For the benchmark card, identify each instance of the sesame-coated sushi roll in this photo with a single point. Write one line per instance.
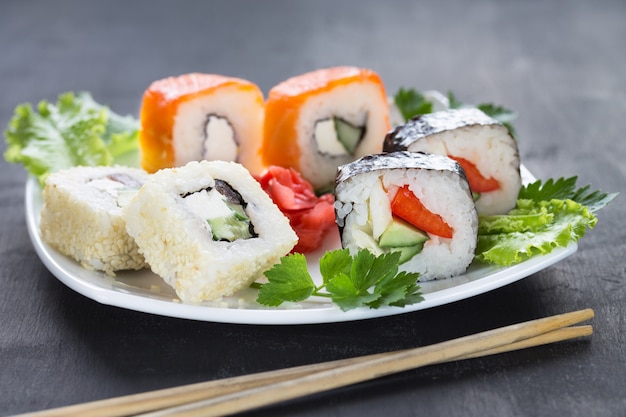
(208, 228)
(417, 204)
(481, 145)
(82, 218)
(322, 119)
(196, 117)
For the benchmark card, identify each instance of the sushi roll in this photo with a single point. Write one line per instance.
(414, 203)
(196, 117)
(208, 229)
(481, 145)
(81, 216)
(322, 119)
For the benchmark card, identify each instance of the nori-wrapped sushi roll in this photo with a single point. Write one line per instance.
(414, 203)
(481, 145)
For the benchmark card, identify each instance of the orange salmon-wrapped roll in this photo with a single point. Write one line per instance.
(196, 117)
(322, 119)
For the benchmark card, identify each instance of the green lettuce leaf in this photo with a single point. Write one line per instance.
(510, 223)
(122, 132)
(547, 215)
(75, 131)
(532, 228)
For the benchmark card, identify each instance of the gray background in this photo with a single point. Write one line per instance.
(560, 64)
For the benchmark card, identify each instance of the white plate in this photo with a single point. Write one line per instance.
(147, 292)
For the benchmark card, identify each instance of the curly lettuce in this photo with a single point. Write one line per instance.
(532, 228)
(74, 131)
(547, 216)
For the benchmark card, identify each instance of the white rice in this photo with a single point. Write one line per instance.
(242, 108)
(358, 103)
(81, 217)
(470, 134)
(177, 245)
(492, 150)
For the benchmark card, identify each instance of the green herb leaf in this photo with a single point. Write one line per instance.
(501, 114)
(565, 188)
(412, 103)
(398, 289)
(368, 269)
(350, 282)
(334, 263)
(454, 103)
(288, 281)
(74, 131)
(347, 293)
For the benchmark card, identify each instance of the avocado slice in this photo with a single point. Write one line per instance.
(228, 220)
(348, 135)
(407, 252)
(224, 211)
(230, 227)
(400, 234)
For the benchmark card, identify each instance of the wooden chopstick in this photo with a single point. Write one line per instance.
(236, 394)
(170, 397)
(369, 369)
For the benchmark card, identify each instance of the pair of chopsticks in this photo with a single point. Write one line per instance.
(232, 395)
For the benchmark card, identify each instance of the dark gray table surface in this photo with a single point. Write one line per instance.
(560, 64)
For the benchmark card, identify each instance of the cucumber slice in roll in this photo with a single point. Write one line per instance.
(348, 135)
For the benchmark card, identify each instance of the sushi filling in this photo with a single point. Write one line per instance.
(477, 181)
(122, 187)
(126, 180)
(335, 136)
(223, 211)
(220, 142)
(398, 236)
(386, 230)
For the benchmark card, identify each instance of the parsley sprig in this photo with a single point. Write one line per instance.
(566, 188)
(363, 280)
(412, 103)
